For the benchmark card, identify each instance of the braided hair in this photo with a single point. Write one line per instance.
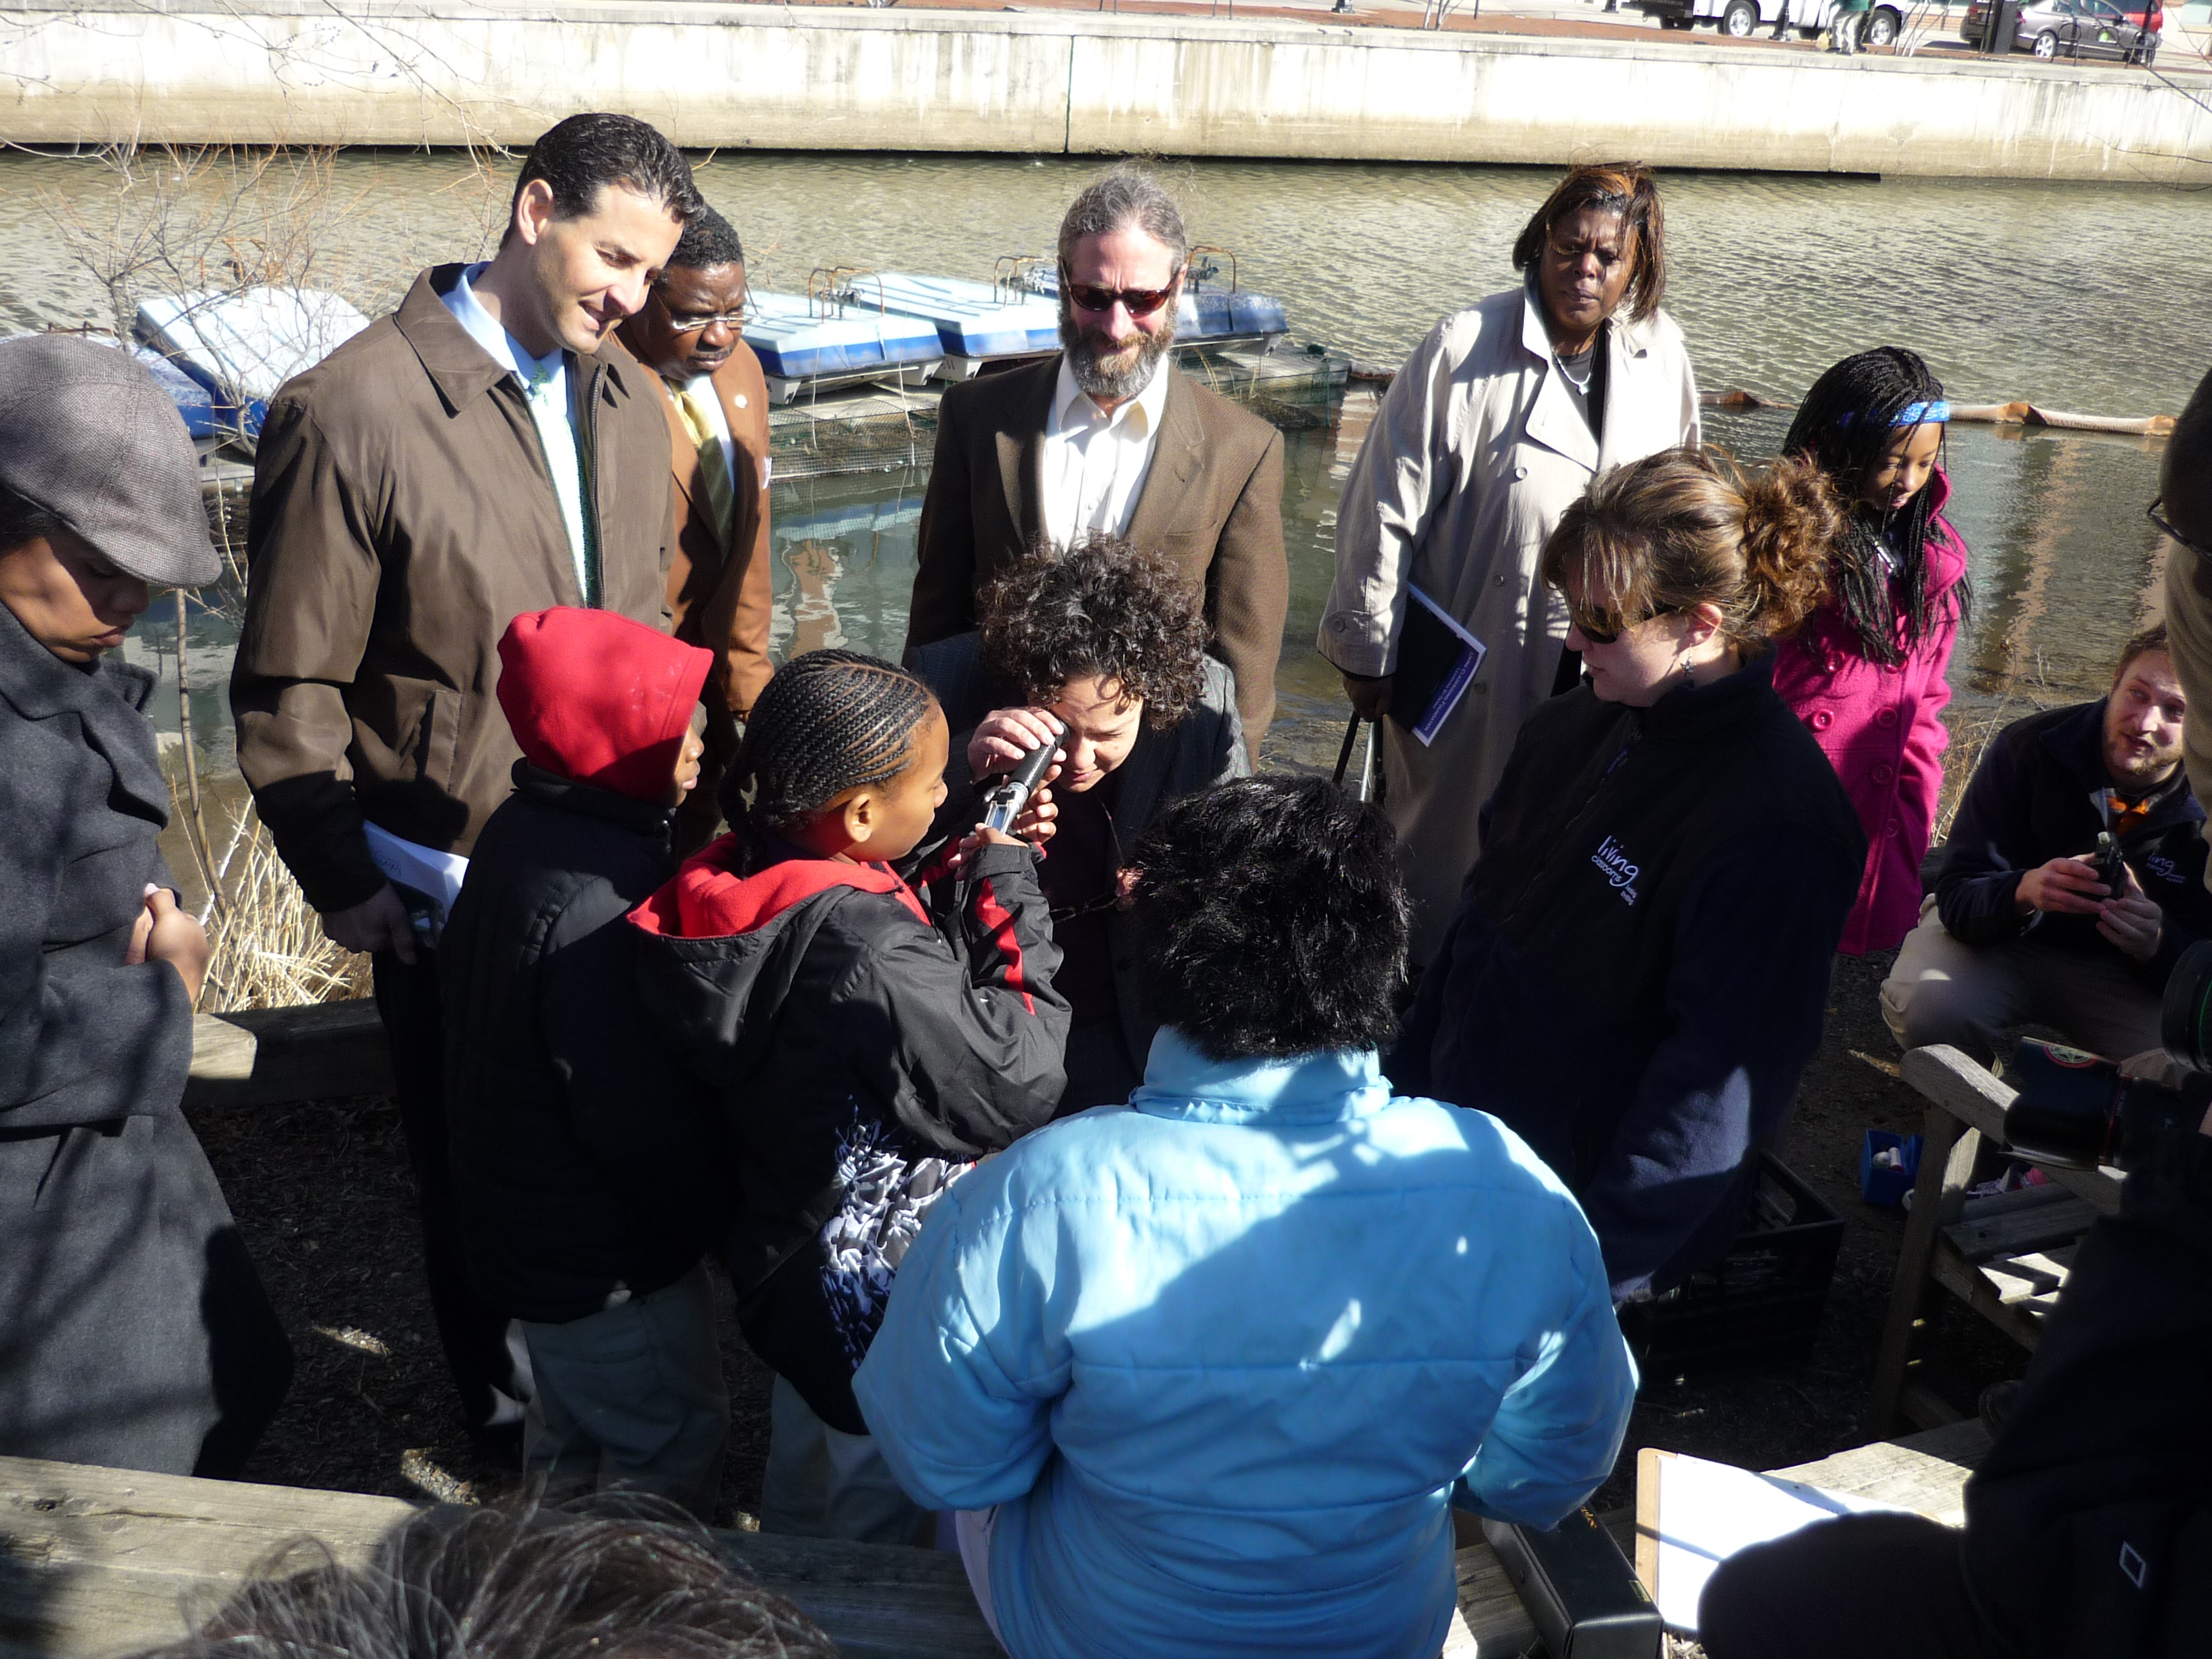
(830, 721)
(1842, 426)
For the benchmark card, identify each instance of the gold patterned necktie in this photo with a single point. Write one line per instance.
(714, 464)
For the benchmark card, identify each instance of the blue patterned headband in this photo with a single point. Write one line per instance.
(1936, 409)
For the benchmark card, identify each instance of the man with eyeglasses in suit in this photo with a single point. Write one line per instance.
(1108, 438)
(716, 401)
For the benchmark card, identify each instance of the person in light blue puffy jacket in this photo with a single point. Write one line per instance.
(1206, 1374)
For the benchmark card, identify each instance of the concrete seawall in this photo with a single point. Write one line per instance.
(410, 72)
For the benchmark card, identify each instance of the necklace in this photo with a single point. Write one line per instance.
(1580, 382)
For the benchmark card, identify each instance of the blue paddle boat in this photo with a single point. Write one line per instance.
(826, 338)
(977, 322)
(237, 349)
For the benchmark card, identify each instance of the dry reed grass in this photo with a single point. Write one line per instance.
(267, 946)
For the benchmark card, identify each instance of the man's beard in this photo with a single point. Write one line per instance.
(1088, 349)
(2133, 772)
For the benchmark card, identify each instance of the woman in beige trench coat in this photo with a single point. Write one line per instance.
(1503, 416)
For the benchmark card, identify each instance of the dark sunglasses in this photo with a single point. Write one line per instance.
(1139, 302)
(1597, 635)
(2167, 528)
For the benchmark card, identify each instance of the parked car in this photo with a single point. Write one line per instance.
(1742, 18)
(2068, 28)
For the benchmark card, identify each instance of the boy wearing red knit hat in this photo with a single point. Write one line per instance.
(585, 1176)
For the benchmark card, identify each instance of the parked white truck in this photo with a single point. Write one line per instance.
(1741, 18)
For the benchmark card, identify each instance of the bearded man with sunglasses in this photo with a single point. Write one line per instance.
(1109, 438)
(720, 585)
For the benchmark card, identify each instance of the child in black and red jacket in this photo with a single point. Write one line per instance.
(863, 1052)
(582, 1167)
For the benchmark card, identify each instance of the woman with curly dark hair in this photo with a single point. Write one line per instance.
(1639, 967)
(1100, 649)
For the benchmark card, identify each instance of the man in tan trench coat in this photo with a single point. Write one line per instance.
(1503, 416)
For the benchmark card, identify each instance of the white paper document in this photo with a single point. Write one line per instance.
(436, 876)
(1702, 1513)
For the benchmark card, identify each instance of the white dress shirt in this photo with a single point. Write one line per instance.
(1095, 463)
(545, 389)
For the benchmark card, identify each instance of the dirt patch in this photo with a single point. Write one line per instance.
(322, 1194)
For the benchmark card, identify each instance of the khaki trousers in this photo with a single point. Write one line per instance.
(821, 1482)
(1968, 995)
(632, 1397)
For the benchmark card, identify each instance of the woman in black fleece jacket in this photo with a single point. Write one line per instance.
(862, 1052)
(1639, 967)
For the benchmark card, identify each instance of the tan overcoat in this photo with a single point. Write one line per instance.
(720, 594)
(1476, 450)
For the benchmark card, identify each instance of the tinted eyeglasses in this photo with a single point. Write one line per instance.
(1606, 632)
(2167, 528)
(1139, 302)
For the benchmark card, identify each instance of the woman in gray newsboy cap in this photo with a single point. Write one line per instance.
(134, 1329)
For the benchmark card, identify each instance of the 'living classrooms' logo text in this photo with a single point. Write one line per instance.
(1618, 870)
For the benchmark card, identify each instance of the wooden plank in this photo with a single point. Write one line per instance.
(2023, 1231)
(98, 1562)
(2034, 1278)
(1964, 1442)
(1923, 1405)
(1489, 1619)
(1926, 1473)
(1946, 1077)
(1989, 1206)
(1947, 1161)
(265, 1056)
(1964, 1279)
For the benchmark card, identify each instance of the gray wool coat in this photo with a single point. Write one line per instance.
(1205, 746)
(134, 1331)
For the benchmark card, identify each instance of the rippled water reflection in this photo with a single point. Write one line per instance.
(2074, 297)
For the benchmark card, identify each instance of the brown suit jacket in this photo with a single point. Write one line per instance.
(722, 595)
(403, 517)
(1212, 498)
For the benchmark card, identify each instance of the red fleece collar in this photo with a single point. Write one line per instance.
(707, 899)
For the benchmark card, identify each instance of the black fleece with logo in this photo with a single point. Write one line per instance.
(1639, 971)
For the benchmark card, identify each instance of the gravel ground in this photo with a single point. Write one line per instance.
(322, 1194)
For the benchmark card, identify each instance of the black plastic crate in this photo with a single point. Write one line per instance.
(1756, 1310)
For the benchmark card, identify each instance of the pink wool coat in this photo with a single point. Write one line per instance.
(1882, 730)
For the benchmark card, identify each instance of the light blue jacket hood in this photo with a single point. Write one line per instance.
(1226, 1356)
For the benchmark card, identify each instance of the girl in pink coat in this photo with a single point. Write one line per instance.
(1865, 673)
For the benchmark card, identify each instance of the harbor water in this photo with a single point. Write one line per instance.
(2075, 297)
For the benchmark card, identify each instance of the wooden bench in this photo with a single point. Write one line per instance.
(2005, 1256)
(266, 1056)
(96, 1562)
